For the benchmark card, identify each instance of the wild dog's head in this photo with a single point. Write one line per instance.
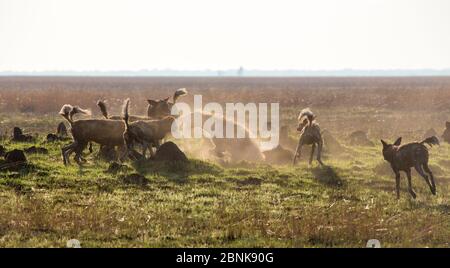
(302, 124)
(446, 134)
(390, 149)
(159, 108)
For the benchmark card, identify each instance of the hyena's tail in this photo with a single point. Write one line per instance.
(433, 140)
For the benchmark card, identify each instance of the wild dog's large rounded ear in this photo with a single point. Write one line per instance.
(398, 141)
(384, 143)
(166, 99)
(152, 102)
(447, 124)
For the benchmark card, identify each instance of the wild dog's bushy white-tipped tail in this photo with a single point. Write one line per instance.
(65, 109)
(78, 110)
(102, 105)
(125, 115)
(433, 140)
(306, 113)
(68, 111)
(180, 92)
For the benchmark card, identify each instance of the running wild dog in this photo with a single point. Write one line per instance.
(309, 135)
(102, 131)
(414, 154)
(149, 133)
(162, 108)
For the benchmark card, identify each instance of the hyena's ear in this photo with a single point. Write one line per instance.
(152, 102)
(398, 141)
(447, 124)
(384, 143)
(166, 99)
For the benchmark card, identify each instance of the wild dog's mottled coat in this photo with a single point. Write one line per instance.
(162, 108)
(148, 132)
(309, 135)
(101, 131)
(403, 158)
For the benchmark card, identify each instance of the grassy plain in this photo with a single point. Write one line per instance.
(203, 204)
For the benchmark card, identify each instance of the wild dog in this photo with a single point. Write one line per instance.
(414, 154)
(101, 131)
(236, 149)
(309, 135)
(102, 105)
(149, 133)
(162, 108)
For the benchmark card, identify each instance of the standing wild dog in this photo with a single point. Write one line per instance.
(158, 109)
(105, 132)
(149, 133)
(403, 158)
(309, 135)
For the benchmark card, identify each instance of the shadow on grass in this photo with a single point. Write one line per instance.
(328, 176)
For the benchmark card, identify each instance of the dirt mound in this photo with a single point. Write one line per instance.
(2, 151)
(36, 150)
(52, 137)
(446, 135)
(134, 178)
(115, 168)
(331, 145)
(20, 137)
(15, 160)
(15, 156)
(169, 151)
(278, 156)
(61, 130)
(359, 138)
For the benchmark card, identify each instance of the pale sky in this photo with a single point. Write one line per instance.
(39, 35)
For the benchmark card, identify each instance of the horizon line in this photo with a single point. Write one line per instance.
(239, 72)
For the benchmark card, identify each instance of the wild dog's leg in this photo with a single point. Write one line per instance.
(150, 148)
(428, 170)
(298, 152)
(63, 151)
(419, 170)
(144, 150)
(313, 148)
(397, 183)
(319, 152)
(67, 150)
(78, 150)
(122, 152)
(410, 189)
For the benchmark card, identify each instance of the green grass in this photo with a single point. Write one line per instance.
(201, 204)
